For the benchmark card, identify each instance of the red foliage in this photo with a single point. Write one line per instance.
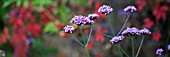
(97, 6)
(44, 17)
(44, 14)
(160, 11)
(4, 36)
(148, 23)
(59, 25)
(90, 1)
(140, 4)
(34, 29)
(100, 37)
(20, 18)
(91, 44)
(156, 36)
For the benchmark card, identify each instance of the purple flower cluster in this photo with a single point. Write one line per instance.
(131, 31)
(159, 51)
(81, 20)
(144, 31)
(68, 29)
(135, 31)
(169, 47)
(130, 9)
(116, 39)
(105, 9)
(92, 16)
(2, 53)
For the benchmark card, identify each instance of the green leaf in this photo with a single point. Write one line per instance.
(37, 42)
(18, 2)
(50, 28)
(7, 3)
(25, 4)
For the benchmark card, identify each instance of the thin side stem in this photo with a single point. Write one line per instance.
(89, 36)
(133, 52)
(81, 31)
(87, 52)
(78, 41)
(111, 28)
(121, 55)
(124, 24)
(123, 51)
(140, 46)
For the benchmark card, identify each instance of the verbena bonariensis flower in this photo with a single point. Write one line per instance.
(159, 51)
(116, 39)
(93, 16)
(130, 9)
(169, 47)
(68, 29)
(81, 20)
(144, 31)
(131, 31)
(2, 53)
(105, 9)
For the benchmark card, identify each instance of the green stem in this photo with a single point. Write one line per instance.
(124, 24)
(81, 31)
(87, 52)
(133, 52)
(77, 41)
(119, 50)
(123, 51)
(111, 28)
(140, 46)
(89, 35)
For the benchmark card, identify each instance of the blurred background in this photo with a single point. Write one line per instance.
(33, 28)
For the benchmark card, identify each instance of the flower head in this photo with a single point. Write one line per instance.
(68, 29)
(159, 51)
(131, 31)
(116, 39)
(2, 53)
(169, 47)
(105, 9)
(81, 20)
(130, 9)
(93, 16)
(144, 31)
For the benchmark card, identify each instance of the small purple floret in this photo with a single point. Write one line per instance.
(105, 9)
(131, 31)
(159, 51)
(92, 16)
(116, 39)
(130, 9)
(68, 29)
(81, 20)
(2, 53)
(144, 31)
(169, 47)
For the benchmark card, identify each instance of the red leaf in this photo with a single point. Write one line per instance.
(160, 11)
(100, 37)
(140, 4)
(90, 1)
(59, 25)
(156, 36)
(148, 23)
(34, 29)
(90, 45)
(97, 5)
